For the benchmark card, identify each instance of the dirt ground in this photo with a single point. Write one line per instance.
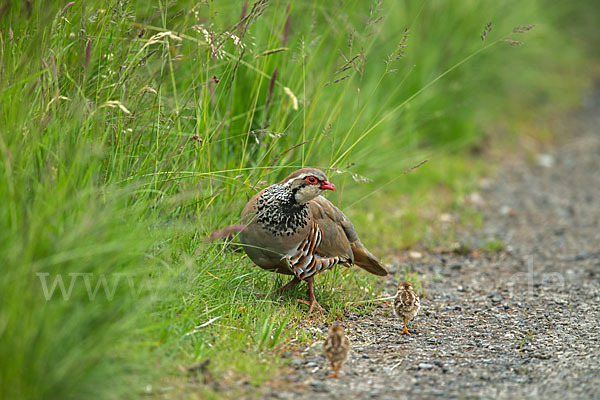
(521, 322)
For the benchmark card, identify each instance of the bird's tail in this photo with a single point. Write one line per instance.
(228, 232)
(367, 261)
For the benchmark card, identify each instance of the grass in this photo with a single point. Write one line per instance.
(493, 246)
(131, 130)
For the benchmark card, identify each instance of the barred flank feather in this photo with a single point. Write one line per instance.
(305, 263)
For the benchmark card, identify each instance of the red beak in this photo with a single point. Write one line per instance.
(326, 185)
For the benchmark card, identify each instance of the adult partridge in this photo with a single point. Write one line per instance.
(291, 229)
(406, 304)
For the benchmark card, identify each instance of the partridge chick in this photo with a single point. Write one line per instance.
(336, 348)
(291, 229)
(406, 304)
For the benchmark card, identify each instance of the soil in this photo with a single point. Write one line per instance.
(517, 322)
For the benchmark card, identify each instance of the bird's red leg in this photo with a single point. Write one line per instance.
(288, 285)
(405, 331)
(311, 297)
(335, 370)
(312, 301)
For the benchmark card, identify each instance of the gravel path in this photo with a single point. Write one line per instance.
(518, 323)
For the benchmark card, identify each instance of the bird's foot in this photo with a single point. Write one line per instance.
(405, 331)
(311, 305)
(312, 301)
(334, 374)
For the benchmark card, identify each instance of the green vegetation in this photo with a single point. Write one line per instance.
(493, 246)
(130, 130)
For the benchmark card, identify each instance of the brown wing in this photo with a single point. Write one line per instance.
(340, 238)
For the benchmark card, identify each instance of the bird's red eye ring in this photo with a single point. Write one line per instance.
(311, 179)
